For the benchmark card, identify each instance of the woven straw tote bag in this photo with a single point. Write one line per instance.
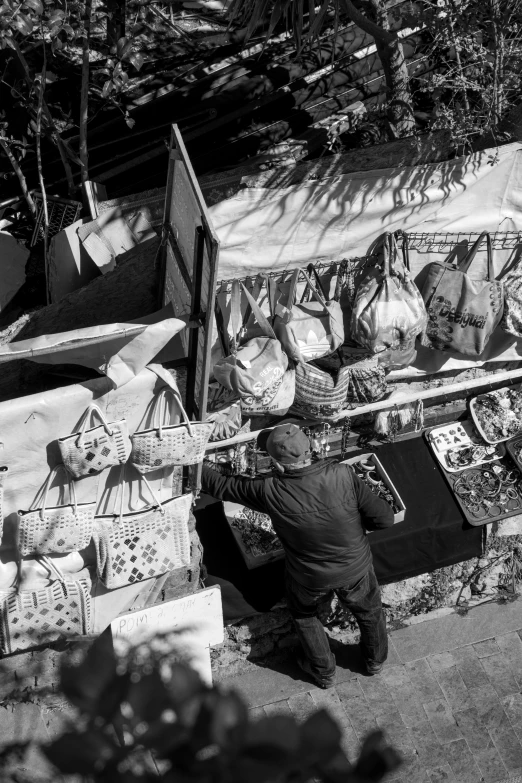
(92, 450)
(3, 471)
(139, 545)
(172, 444)
(319, 394)
(56, 529)
(29, 618)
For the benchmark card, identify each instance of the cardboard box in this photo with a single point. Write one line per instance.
(251, 561)
(371, 457)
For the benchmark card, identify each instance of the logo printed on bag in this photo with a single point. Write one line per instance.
(462, 317)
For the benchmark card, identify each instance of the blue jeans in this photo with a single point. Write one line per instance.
(362, 599)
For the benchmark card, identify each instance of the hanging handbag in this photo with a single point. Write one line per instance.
(512, 316)
(318, 393)
(367, 379)
(462, 313)
(308, 330)
(256, 368)
(56, 529)
(389, 312)
(92, 450)
(29, 618)
(271, 404)
(166, 445)
(142, 544)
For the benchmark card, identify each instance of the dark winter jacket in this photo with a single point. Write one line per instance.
(320, 513)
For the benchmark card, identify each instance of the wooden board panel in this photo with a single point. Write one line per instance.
(189, 269)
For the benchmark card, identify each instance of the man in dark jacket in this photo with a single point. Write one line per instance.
(321, 512)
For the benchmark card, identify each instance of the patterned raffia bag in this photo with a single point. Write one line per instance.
(142, 544)
(166, 445)
(56, 529)
(367, 382)
(29, 618)
(92, 450)
(319, 394)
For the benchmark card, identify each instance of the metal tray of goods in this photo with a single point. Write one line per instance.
(370, 463)
(487, 493)
(253, 532)
(459, 445)
(514, 447)
(502, 417)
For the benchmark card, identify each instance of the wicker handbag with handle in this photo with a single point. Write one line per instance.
(142, 544)
(56, 529)
(172, 444)
(29, 618)
(92, 450)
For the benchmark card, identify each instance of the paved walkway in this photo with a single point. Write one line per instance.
(449, 698)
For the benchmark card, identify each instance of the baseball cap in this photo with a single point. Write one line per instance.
(288, 444)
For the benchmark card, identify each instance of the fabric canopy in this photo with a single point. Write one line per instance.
(263, 229)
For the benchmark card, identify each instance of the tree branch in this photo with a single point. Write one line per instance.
(362, 21)
(84, 99)
(19, 173)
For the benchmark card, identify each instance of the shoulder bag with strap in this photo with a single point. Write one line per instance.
(256, 368)
(142, 544)
(92, 450)
(462, 313)
(389, 313)
(56, 529)
(308, 330)
(166, 445)
(29, 618)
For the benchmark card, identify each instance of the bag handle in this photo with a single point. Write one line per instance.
(259, 315)
(222, 332)
(405, 247)
(121, 487)
(235, 313)
(312, 272)
(88, 418)
(51, 566)
(177, 396)
(262, 279)
(320, 298)
(45, 490)
(466, 262)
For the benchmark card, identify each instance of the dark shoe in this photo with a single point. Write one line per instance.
(321, 682)
(373, 668)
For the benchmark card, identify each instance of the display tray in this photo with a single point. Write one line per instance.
(371, 457)
(251, 560)
(503, 499)
(473, 410)
(459, 437)
(514, 447)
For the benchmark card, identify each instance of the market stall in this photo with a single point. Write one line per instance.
(364, 327)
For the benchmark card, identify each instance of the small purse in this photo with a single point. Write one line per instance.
(172, 444)
(29, 618)
(142, 544)
(90, 451)
(58, 529)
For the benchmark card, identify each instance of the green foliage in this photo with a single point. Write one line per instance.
(143, 717)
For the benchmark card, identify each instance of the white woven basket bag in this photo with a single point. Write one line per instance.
(167, 445)
(92, 450)
(56, 529)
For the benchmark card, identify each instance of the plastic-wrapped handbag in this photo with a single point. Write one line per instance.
(166, 445)
(94, 449)
(389, 312)
(3, 472)
(318, 393)
(308, 330)
(512, 316)
(462, 313)
(29, 618)
(141, 544)
(56, 529)
(256, 368)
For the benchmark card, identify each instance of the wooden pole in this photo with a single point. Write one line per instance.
(372, 407)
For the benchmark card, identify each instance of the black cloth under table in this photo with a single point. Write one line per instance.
(433, 534)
